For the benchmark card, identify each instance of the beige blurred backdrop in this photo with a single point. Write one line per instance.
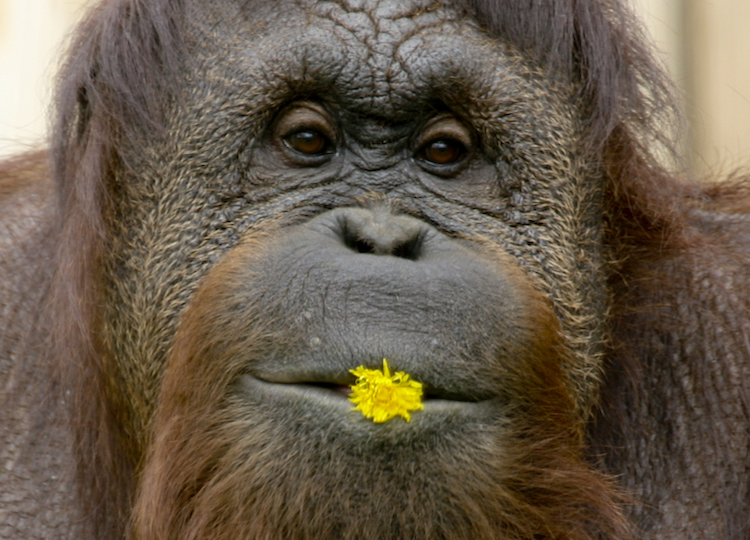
(704, 43)
(32, 33)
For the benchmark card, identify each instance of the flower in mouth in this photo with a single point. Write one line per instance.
(381, 396)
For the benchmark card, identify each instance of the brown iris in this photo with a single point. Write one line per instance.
(307, 141)
(443, 151)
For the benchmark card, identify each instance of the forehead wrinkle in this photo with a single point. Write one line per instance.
(380, 28)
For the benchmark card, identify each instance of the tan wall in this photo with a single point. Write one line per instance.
(705, 43)
(718, 45)
(31, 33)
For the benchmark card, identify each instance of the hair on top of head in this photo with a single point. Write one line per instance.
(600, 46)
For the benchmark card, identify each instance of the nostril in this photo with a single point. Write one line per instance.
(358, 245)
(410, 249)
(353, 240)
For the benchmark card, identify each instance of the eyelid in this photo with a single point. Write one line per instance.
(304, 116)
(445, 127)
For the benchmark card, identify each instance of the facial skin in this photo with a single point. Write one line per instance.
(340, 183)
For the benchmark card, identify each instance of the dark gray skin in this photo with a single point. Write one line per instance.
(339, 182)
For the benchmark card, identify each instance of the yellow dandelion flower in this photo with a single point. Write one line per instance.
(382, 396)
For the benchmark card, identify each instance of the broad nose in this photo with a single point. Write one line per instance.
(381, 232)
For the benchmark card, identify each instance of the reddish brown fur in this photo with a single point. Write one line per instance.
(543, 490)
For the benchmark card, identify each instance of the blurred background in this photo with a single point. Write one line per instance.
(705, 44)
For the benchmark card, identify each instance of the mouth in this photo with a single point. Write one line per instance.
(340, 390)
(338, 393)
(334, 389)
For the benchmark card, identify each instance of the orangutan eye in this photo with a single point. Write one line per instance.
(444, 145)
(442, 151)
(305, 133)
(309, 142)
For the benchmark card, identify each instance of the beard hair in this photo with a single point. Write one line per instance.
(288, 474)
